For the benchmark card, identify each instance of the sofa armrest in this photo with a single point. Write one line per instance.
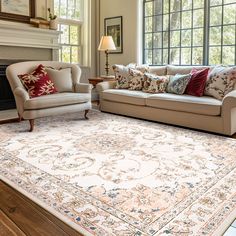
(105, 85)
(230, 99)
(83, 88)
(229, 113)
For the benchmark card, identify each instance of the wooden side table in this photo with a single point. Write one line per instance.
(95, 80)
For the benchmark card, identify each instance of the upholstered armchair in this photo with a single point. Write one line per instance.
(71, 95)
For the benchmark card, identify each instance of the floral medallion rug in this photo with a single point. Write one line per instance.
(113, 175)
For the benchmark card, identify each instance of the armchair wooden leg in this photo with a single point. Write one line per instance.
(31, 125)
(85, 114)
(19, 117)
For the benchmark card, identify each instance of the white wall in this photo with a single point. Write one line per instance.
(130, 11)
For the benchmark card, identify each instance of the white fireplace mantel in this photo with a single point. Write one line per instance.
(22, 35)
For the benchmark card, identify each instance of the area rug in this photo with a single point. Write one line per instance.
(113, 175)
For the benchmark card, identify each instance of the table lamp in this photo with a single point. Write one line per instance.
(106, 44)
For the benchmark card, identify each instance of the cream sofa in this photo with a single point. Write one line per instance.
(72, 95)
(204, 113)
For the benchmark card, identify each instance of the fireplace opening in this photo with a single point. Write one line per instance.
(7, 100)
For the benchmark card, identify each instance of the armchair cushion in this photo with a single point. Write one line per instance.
(38, 82)
(61, 78)
(56, 100)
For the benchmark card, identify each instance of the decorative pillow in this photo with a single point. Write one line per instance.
(136, 81)
(197, 82)
(221, 81)
(38, 82)
(155, 83)
(61, 78)
(122, 76)
(178, 83)
(143, 68)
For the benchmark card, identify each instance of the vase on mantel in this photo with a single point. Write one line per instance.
(53, 24)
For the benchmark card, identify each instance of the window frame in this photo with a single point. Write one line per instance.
(205, 47)
(71, 22)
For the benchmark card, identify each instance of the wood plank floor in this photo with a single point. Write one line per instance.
(19, 216)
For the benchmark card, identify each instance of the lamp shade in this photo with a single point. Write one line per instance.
(106, 43)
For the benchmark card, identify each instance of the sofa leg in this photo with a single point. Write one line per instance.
(85, 114)
(31, 125)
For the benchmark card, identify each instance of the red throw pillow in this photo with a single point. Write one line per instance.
(38, 82)
(197, 82)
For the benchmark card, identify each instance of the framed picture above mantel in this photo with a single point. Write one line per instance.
(113, 27)
(17, 10)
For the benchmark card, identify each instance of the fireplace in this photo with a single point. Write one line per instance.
(22, 42)
(7, 100)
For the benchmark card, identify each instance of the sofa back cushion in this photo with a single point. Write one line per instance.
(173, 70)
(158, 70)
(61, 78)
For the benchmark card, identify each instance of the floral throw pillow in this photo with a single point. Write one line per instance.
(155, 83)
(136, 81)
(38, 82)
(220, 81)
(122, 75)
(178, 83)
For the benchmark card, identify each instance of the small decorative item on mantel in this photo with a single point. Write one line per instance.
(53, 20)
(40, 22)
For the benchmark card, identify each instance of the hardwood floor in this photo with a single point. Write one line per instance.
(19, 216)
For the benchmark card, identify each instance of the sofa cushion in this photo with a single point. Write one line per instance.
(200, 105)
(122, 75)
(172, 70)
(221, 81)
(125, 96)
(197, 82)
(155, 83)
(136, 81)
(158, 70)
(178, 83)
(61, 78)
(38, 82)
(54, 100)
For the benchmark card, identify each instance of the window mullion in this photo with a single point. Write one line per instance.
(206, 32)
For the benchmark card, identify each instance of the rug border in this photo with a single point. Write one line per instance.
(226, 224)
(46, 207)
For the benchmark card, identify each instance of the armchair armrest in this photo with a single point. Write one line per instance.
(83, 88)
(21, 93)
(105, 85)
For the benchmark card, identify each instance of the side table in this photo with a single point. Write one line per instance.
(95, 80)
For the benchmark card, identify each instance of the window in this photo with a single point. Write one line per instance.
(189, 32)
(70, 23)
